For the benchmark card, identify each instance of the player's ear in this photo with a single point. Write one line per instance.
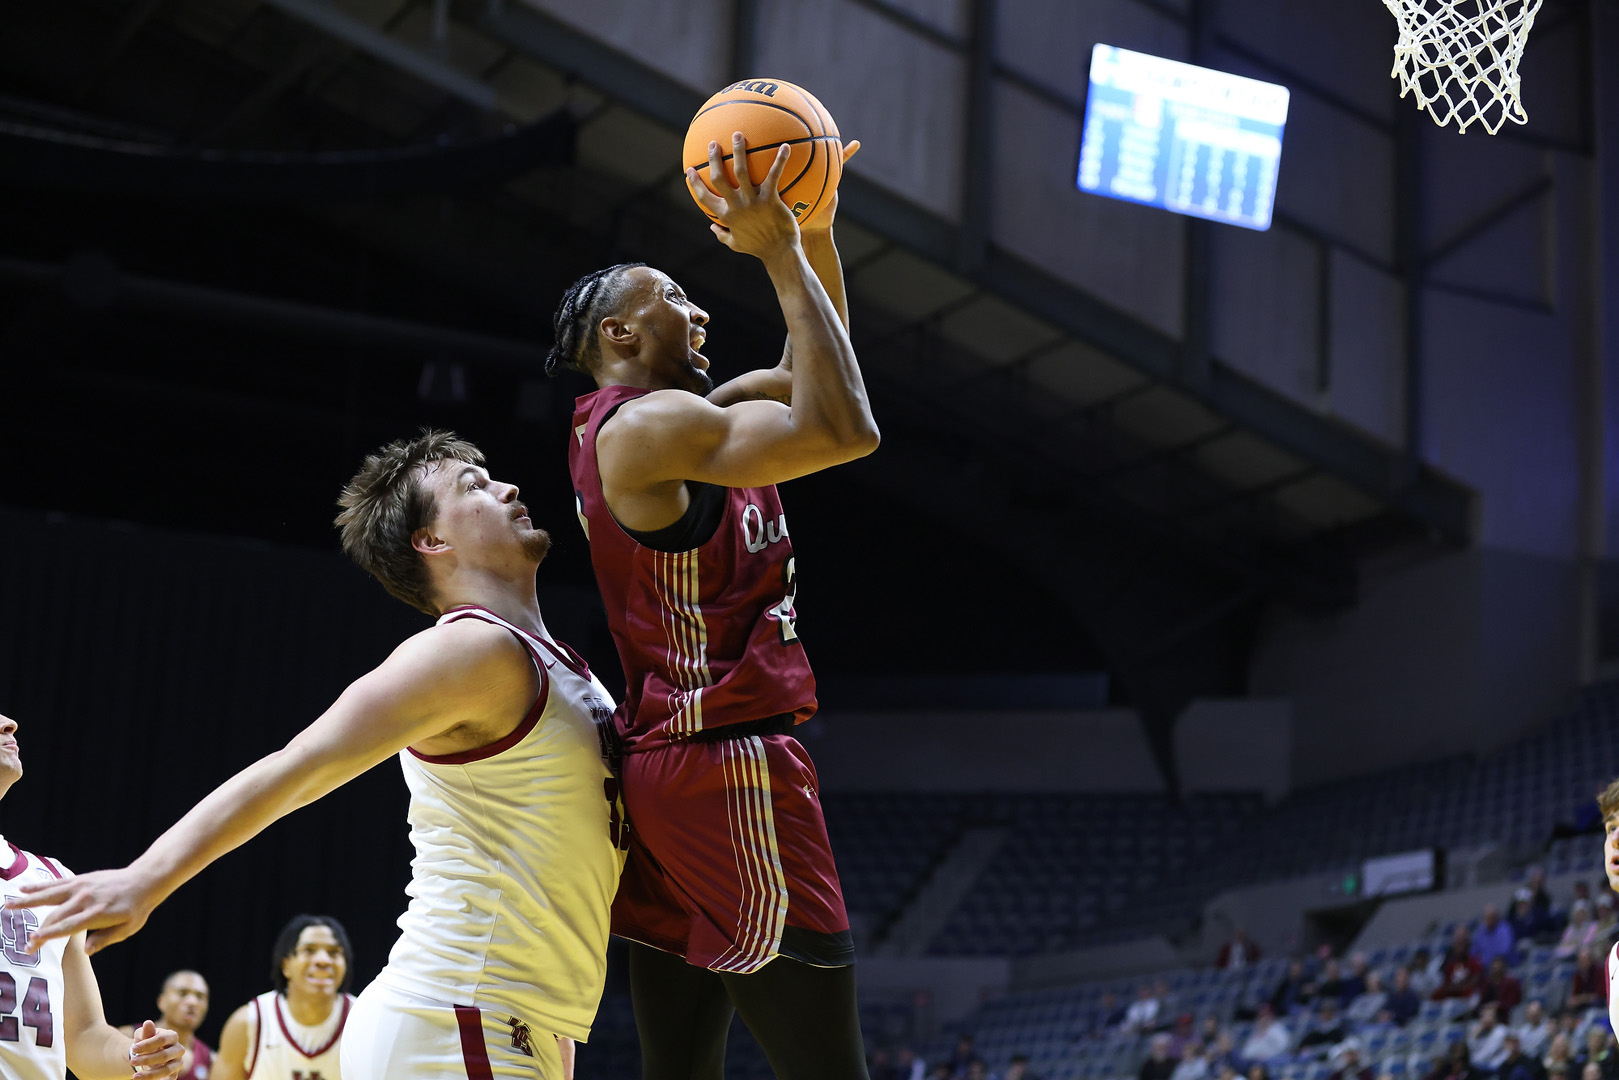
(425, 541)
(618, 331)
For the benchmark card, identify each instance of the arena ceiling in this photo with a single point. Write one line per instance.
(424, 177)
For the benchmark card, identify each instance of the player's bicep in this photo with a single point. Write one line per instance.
(234, 1041)
(748, 444)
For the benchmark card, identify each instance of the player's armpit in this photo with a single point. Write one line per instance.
(671, 435)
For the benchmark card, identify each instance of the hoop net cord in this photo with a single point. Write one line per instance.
(1460, 58)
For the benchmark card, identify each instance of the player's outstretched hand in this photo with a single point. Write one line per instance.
(752, 219)
(110, 904)
(157, 1053)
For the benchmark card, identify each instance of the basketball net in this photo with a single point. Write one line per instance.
(1460, 58)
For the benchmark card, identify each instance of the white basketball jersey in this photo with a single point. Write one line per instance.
(284, 1049)
(517, 858)
(31, 986)
(1613, 988)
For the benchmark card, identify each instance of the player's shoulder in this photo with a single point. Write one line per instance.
(657, 410)
(457, 642)
(16, 862)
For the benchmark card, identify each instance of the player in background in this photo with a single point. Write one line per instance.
(53, 1019)
(182, 1006)
(730, 897)
(500, 732)
(294, 1031)
(1608, 806)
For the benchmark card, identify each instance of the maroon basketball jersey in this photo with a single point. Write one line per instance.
(706, 636)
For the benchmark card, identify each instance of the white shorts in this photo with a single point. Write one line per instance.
(391, 1035)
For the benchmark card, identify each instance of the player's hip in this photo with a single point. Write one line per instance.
(396, 1035)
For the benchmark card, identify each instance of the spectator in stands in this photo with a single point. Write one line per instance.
(1492, 939)
(1370, 1005)
(1018, 1068)
(1180, 1035)
(1459, 973)
(1209, 1032)
(1580, 931)
(1355, 981)
(1527, 923)
(941, 1071)
(1591, 1071)
(1424, 973)
(1109, 1014)
(963, 1057)
(1194, 1063)
(1228, 1071)
(1258, 1071)
(1501, 988)
(1346, 1063)
(1518, 1065)
(1224, 1054)
(1590, 983)
(1333, 986)
(1535, 1033)
(1167, 1003)
(1295, 989)
(1559, 1054)
(1328, 1027)
(879, 1067)
(1457, 1064)
(977, 1070)
(908, 1066)
(1159, 1065)
(1487, 1040)
(1534, 883)
(1239, 952)
(1599, 1052)
(1142, 1015)
(1270, 1038)
(1607, 923)
(1403, 1001)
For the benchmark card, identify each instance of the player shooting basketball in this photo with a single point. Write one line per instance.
(730, 894)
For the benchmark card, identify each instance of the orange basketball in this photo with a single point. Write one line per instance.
(769, 112)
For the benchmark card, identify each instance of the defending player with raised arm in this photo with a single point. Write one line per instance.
(730, 896)
(54, 1021)
(500, 731)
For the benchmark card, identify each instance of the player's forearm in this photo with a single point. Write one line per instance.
(828, 393)
(822, 253)
(98, 1052)
(234, 813)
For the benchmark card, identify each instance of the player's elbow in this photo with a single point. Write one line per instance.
(863, 440)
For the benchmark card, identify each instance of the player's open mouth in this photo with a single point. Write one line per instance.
(697, 340)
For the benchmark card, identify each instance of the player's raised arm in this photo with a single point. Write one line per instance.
(776, 383)
(433, 682)
(95, 1049)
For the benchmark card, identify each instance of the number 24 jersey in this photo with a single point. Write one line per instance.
(31, 985)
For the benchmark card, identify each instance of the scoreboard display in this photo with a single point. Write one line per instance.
(1182, 137)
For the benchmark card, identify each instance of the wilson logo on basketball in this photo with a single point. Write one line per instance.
(754, 86)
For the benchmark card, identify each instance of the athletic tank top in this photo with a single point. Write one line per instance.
(284, 1049)
(202, 1061)
(517, 857)
(707, 636)
(31, 986)
(1613, 988)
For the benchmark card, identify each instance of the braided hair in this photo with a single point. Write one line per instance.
(581, 310)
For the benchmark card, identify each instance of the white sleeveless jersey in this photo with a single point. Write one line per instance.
(517, 858)
(284, 1049)
(31, 987)
(1613, 988)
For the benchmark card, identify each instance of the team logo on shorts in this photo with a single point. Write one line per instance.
(522, 1037)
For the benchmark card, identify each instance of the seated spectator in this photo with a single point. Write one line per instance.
(1346, 1063)
(1500, 988)
(1159, 1065)
(1295, 989)
(1258, 1071)
(1539, 899)
(1194, 1063)
(1270, 1038)
(1424, 973)
(1590, 984)
(1535, 1033)
(1168, 1006)
(1018, 1068)
(1180, 1034)
(1607, 924)
(978, 1070)
(1493, 938)
(1142, 1015)
(1368, 1007)
(1332, 986)
(1355, 981)
(1559, 1054)
(942, 1071)
(1517, 1064)
(964, 1056)
(1109, 1013)
(1486, 1042)
(1580, 931)
(1527, 923)
(1328, 1028)
(908, 1065)
(1223, 1055)
(1591, 1071)
(1228, 1071)
(1599, 1052)
(1209, 1031)
(1457, 1064)
(1459, 973)
(879, 1067)
(1403, 1001)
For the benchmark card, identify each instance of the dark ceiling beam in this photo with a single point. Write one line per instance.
(93, 282)
(1439, 503)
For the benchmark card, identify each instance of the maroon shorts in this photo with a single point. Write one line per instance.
(729, 865)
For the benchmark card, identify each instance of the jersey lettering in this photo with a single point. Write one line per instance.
(757, 533)
(16, 927)
(299, 1075)
(36, 1011)
(784, 611)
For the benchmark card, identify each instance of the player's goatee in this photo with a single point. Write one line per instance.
(537, 544)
